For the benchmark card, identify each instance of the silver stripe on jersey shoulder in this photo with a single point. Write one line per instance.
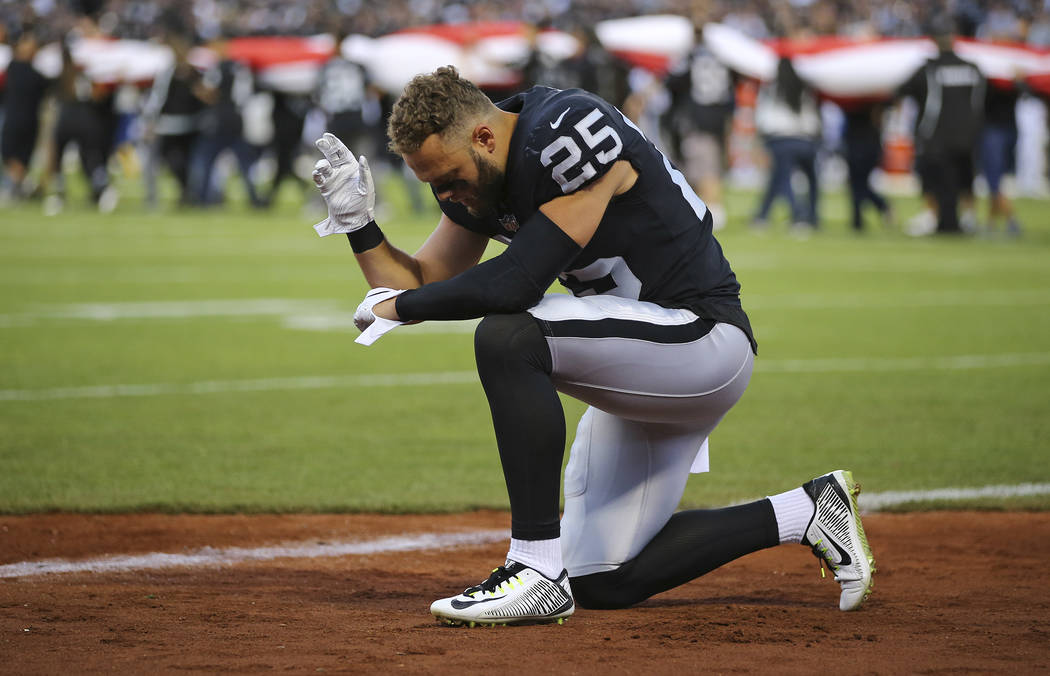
(676, 176)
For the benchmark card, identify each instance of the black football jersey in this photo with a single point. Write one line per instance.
(950, 93)
(654, 242)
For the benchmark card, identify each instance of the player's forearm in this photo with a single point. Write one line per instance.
(511, 282)
(386, 265)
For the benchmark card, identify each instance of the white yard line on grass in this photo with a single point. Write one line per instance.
(858, 364)
(175, 309)
(874, 502)
(257, 385)
(917, 299)
(318, 314)
(843, 365)
(209, 557)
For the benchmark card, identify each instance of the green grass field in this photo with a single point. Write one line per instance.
(203, 361)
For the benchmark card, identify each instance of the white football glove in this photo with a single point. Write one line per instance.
(346, 185)
(371, 326)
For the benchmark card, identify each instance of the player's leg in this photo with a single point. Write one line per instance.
(520, 366)
(858, 179)
(247, 155)
(622, 539)
(636, 371)
(657, 387)
(779, 180)
(946, 192)
(661, 391)
(964, 168)
(92, 141)
(206, 148)
(703, 167)
(873, 157)
(821, 514)
(514, 364)
(176, 149)
(808, 164)
(62, 138)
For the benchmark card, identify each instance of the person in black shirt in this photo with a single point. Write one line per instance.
(539, 66)
(950, 94)
(702, 104)
(862, 145)
(85, 118)
(228, 86)
(591, 66)
(289, 116)
(652, 337)
(345, 94)
(172, 113)
(25, 89)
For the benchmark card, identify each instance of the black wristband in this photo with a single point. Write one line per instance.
(363, 239)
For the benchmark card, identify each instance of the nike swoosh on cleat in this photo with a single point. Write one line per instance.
(460, 605)
(554, 125)
(844, 557)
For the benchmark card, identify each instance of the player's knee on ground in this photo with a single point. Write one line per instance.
(605, 591)
(501, 340)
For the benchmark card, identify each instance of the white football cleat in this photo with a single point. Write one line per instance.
(513, 594)
(837, 537)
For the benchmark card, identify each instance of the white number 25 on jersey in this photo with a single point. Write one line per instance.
(570, 164)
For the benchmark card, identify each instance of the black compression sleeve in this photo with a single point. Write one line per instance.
(511, 282)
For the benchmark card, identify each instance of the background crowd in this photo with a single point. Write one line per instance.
(208, 19)
(196, 124)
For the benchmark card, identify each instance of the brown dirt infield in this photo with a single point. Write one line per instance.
(955, 592)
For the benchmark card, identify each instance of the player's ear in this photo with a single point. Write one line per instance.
(484, 137)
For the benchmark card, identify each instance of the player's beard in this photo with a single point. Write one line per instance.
(490, 187)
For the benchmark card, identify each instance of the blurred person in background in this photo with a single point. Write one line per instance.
(862, 147)
(288, 115)
(227, 87)
(3, 90)
(702, 103)
(950, 94)
(541, 67)
(85, 121)
(596, 69)
(788, 119)
(998, 154)
(345, 95)
(353, 107)
(591, 67)
(25, 90)
(172, 117)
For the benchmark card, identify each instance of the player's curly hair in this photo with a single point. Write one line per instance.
(441, 103)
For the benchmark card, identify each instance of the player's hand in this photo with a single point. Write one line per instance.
(365, 319)
(346, 186)
(364, 316)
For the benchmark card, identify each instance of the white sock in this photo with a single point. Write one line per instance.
(541, 555)
(794, 510)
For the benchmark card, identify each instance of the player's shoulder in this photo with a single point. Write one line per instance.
(558, 112)
(569, 138)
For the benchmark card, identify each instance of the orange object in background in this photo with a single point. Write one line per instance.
(898, 155)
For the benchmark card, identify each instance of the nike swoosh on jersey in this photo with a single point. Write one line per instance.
(460, 605)
(554, 125)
